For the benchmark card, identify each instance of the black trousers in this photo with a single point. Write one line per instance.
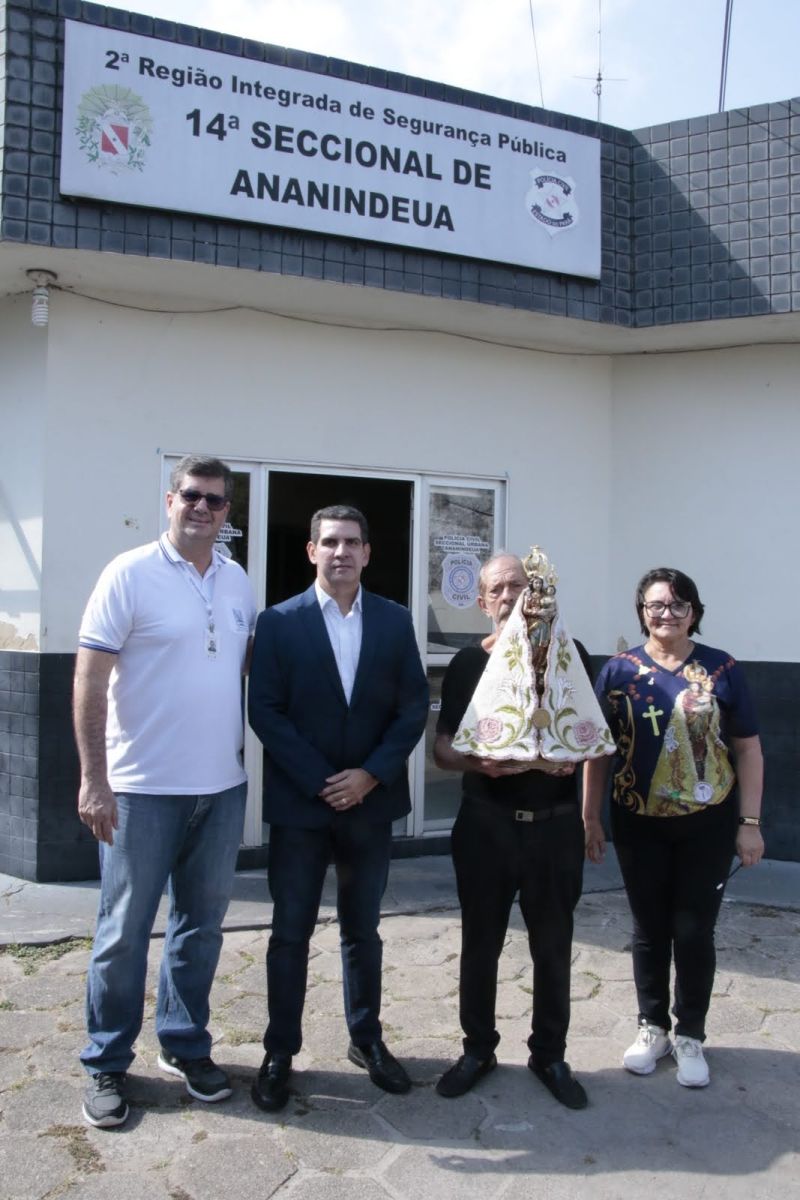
(495, 857)
(674, 869)
(298, 860)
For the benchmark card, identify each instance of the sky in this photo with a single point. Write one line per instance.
(660, 58)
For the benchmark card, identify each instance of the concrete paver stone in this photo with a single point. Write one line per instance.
(341, 1138)
(784, 1029)
(249, 1168)
(316, 1185)
(337, 1139)
(30, 1164)
(131, 1185)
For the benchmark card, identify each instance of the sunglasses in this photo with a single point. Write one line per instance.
(192, 496)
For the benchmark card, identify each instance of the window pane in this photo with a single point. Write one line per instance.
(233, 536)
(461, 538)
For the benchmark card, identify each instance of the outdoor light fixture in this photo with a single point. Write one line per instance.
(40, 307)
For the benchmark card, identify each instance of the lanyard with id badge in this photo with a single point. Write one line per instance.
(210, 635)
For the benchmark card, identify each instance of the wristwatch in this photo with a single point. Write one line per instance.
(750, 821)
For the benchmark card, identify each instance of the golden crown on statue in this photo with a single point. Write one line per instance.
(538, 566)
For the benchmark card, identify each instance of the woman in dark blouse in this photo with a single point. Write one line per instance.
(686, 795)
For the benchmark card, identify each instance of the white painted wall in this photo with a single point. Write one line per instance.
(613, 465)
(131, 385)
(23, 387)
(705, 478)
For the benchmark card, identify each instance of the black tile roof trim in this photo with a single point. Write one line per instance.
(661, 189)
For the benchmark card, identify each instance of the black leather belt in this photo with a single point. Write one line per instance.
(544, 814)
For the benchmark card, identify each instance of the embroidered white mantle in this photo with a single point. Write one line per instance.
(506, 719)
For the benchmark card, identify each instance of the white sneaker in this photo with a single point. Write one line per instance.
(651, 1044)
(692, 1067)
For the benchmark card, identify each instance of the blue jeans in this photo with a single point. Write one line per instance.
(298, 859)
(191, 843)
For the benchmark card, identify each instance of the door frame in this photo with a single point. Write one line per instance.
(417, 826)
(422, 482)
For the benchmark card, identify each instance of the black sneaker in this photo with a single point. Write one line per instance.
(104, 1103)
(204, 1079)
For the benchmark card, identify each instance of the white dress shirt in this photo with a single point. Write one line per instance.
(345, 635)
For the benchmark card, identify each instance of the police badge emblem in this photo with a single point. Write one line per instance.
(551, 202)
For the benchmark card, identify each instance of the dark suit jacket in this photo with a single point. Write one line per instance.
(298, 709)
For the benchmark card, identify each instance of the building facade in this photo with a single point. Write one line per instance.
(646, 416)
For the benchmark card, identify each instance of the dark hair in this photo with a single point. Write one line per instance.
(204, 468)
(683, 587)
(338, 512)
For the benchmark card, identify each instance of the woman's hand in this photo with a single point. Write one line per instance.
(749, 763)
(594, 839)
(749, 845)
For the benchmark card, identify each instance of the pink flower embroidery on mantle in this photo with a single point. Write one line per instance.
(586, 733)
(488, 729)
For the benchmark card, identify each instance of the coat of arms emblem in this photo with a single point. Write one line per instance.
(114, 127)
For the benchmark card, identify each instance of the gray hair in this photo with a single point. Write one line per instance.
(490, 562)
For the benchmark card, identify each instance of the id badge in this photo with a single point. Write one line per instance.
(211, 643)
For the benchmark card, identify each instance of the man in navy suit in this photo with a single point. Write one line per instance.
(339, 698)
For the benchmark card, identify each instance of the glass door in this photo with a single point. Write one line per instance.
(464, 523)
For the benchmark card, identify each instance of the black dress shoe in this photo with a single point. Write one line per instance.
(384, 1069)
(557, 1077)
(270, 1090)
(464, 1074)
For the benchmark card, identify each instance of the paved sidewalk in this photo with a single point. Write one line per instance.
(342, 1139)
(48, 912)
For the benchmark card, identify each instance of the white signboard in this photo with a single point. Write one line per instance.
(152, 123)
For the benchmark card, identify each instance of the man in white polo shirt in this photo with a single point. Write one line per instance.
(159, 727)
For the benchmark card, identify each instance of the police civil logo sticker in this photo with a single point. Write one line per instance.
(551, 202)
(114, 128)
(460, 579)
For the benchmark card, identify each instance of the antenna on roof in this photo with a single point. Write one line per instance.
(600, 77)
(536, 52)
(726, 45)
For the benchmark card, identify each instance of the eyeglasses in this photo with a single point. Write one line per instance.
(657, 608)
(192, 496)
